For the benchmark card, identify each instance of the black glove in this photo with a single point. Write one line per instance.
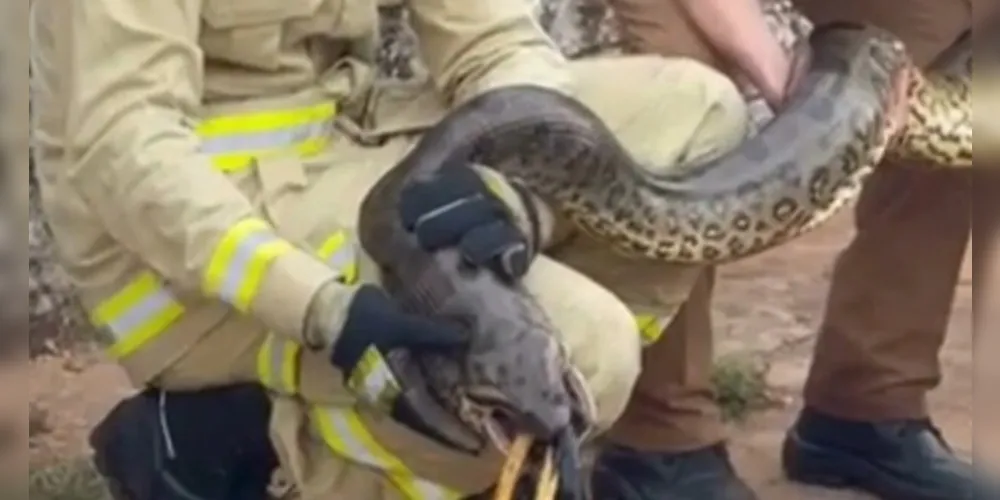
(374, 350)
(456, 209)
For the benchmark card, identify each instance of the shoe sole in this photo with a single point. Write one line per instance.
(809, 464)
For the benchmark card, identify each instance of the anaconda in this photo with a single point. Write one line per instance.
(788, 178)
(938, 129)
(804, 164)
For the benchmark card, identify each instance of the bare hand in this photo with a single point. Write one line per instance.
(772, 80)
(779, 83)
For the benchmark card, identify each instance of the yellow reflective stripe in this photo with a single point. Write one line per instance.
(262, 121)
(373, 381)
(277, 364)
(232, 162)
(234, 140)
(338, 253)
(650, 327)
(344, 432)
(240, 261)
(137, 314)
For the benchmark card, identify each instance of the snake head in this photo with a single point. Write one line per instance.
(876, 63)
(514, 377)
(837, 46)
(523, 378)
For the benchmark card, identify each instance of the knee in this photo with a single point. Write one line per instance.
(676, 110)
(713, 115)
(598, 330)
(609, 358)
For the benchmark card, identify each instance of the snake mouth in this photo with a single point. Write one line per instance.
(502, 424)
(490, 412)
(501, 429)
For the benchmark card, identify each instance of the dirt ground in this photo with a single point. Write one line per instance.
(768, 306)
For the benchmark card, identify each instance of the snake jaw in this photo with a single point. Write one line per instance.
(424, 410)
(501, 436)
(487, 409)
(499, 421)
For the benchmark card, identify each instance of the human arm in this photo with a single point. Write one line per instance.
(134, 76)
(739, 31)
(470, 47)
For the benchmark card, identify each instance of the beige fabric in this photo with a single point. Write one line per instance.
(123, 83)
(601, 342)
(705, 120)
(598, 330)
(126, 189)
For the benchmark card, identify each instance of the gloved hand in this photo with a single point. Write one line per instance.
(457, 209)
(373, 351)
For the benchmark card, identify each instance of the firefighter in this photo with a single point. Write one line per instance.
(202, 163)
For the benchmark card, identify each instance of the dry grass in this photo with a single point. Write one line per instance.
(740, 387)
(73, 479)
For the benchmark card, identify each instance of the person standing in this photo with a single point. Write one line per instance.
(865, 423)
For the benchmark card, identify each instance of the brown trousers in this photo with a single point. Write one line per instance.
(893, 286)
(986, 243)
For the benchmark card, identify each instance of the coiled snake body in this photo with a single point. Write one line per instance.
(806, 163)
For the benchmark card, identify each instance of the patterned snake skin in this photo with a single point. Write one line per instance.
(806, 163)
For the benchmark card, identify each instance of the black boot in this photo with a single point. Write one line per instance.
(707, 474)
(903, 460)
(205, 445)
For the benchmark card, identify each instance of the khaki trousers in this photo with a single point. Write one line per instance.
(888, 306)
(598, 329)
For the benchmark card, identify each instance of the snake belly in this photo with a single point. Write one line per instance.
(792, 176)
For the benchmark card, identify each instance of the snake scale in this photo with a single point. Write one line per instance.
(801, 167)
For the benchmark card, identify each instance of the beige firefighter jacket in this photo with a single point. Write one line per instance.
(144, 138)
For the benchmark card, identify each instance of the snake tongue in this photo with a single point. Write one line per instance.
(420, 410)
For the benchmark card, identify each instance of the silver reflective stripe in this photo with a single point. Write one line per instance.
(377, 381)
(346, 435)
(137, 313)
(342, 258)
(273, 139)
(136, 316)
(352, 444)
(277, 364)
(242, 257)
(338, 253)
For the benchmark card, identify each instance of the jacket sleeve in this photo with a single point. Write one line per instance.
(135, 73)
(473, 46)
